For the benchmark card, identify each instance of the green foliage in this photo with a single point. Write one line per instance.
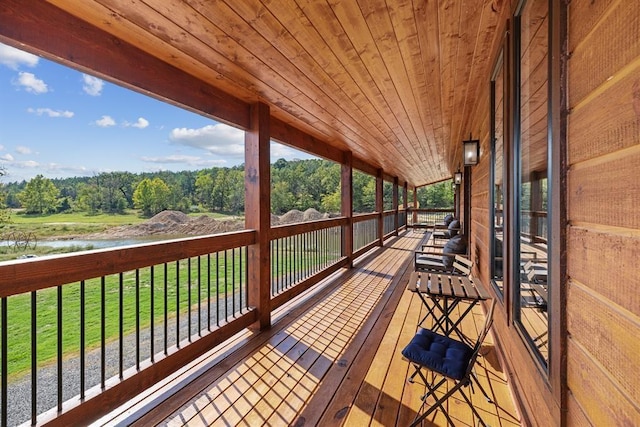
(436, 196)
(5, 213)
(39, 196)
(151, 196)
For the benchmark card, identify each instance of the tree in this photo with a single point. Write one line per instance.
(151, 196)
(5, 213)
(39, 196)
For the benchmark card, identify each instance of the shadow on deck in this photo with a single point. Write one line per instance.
(331, 358)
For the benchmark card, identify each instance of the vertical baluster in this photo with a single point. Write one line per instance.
(209, 292)
(103, 337)
(189, 299)
(82, 338)
(59, 319)
(226, 282)
(121, 324)
(4, 368)
(34, 358)
(137, 319)
(178, 303)
(166, 308)
(233, 281)
(218, 289)
(240, 275)
(199, 299)
(152, 324)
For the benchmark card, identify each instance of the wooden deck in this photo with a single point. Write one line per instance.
(332, 359)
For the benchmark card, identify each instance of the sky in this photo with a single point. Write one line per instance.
(60, 123)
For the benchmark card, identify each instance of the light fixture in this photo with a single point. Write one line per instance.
(457, 177)
(471, 151)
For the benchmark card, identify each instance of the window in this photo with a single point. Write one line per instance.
(497, 190)
(532, 159)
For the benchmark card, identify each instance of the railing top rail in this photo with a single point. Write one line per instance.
(286, 230)
(32, 274)
(365, 216)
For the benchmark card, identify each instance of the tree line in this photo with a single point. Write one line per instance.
(296, 184)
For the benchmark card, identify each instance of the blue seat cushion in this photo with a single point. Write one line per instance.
(439, 353)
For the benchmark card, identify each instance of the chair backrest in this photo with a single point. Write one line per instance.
(463, 265)
(481, 336)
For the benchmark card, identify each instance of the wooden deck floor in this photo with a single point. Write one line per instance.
(334, 359)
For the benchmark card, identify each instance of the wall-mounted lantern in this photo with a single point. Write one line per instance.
(457, 178)
(471, 151)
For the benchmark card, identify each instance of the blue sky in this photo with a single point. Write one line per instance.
(58, 122)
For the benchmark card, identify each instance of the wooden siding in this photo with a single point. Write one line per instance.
(603, 247)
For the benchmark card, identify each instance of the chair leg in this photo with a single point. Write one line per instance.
(484, 392)
(473, 409)
(438, 404)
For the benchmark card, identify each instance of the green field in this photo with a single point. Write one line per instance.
(183, 279)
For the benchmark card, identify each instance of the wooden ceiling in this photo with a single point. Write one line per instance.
(394, 82)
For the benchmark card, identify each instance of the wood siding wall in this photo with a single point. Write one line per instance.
(603, 246)
(603, 230)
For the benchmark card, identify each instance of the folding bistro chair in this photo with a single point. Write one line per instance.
(448, 360)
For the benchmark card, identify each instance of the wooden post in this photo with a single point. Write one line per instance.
(395, 205)
(346, 188)
(414, 214)
(257, 183)
(380, 206)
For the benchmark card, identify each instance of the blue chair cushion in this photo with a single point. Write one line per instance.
(439, 353)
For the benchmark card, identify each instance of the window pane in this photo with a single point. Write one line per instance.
(533, 147)
(498, 188)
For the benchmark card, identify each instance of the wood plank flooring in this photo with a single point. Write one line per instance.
(334, 359)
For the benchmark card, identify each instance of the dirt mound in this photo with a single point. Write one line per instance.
(176, 223)
(311, 215)
(292, 216)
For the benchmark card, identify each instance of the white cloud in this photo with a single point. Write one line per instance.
(92, 85)
(140, 124)
(51, 113)
(105, 121)
(7, 157)
(217, 139)
(14, 58)
(31, 83)
(23, 150)
(193, 161)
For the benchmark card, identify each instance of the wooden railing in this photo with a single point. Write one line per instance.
(421, 218)
(82, 329)
(85, 332)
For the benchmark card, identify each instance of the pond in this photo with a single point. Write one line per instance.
(82, 243)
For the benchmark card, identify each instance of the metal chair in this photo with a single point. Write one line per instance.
(448, 360)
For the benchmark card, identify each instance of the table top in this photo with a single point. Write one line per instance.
(447, 285)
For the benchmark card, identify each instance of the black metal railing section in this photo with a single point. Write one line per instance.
(365, 231)
(426, 217)
(296, 258)
(402, 218)
(80, 332)
(59, 341)
(388, 222)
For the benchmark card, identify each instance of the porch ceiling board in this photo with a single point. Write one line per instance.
(394, 82)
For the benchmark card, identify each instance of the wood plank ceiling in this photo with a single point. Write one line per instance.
(393, 81)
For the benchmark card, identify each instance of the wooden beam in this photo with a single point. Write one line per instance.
(258, 212)
(65, 39)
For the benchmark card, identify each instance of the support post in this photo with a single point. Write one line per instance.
(346, 189)
(257, 182)
(380, 206)
(396, 223)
